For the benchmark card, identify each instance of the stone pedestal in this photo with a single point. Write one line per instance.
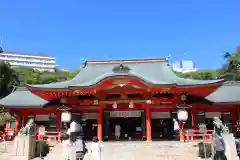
(24, 147)
(230, 146)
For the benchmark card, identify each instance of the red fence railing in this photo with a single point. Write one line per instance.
(198, 136)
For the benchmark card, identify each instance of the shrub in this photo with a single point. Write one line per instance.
(207, 150)
(42, 148)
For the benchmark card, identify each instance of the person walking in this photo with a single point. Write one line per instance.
(117, 132)
(175, 128)
(96, 149)
(66, 145)
(219, 148)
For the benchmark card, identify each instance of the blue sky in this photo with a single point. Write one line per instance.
(122, 29)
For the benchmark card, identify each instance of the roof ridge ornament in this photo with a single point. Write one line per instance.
(121, 68)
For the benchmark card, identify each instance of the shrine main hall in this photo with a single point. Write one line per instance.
(141, 95)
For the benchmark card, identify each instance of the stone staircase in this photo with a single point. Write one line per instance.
(164, 150)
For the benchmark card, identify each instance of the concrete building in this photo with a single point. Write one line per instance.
(37, 61)
(184, 66)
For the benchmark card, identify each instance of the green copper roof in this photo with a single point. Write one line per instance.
(227, 93)
(156, 71)
(22, 98)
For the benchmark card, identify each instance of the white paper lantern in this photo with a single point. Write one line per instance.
(66, 117)
(182, 115)
(114, 105)
(131, 105)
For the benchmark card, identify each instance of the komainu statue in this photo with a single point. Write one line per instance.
(28, 129)
(25, 143)
(219, 127)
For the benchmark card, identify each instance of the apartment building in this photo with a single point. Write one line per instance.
(184, 66)
(40, 62)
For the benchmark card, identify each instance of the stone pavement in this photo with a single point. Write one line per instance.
(163, 150)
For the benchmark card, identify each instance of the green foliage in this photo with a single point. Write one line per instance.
(27, 75)
(231, 69)
(32, 76)
(200, 75)
(42, 148)
(204, 149)
(8, 79)
(51, 77)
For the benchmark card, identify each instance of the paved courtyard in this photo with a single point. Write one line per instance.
(131, 151)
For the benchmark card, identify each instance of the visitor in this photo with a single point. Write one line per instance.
(77, 139)
(175, 127)
(96, 149)
(117, 132)
(219, 148)
(66, 145)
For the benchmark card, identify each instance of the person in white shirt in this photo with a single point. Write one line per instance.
(66, 145)
(117, 131)
(175, 127)
(96, 151)
(75, 127)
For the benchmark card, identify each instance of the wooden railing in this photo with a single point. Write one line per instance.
(198, 136)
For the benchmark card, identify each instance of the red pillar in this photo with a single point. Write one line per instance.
(181, 132)
(148, 122)
(194, 118)
(234, 119)
(7, 125)
(238, 114)
(24, 119)
(17, 121)
(59, 125)
(100, 121)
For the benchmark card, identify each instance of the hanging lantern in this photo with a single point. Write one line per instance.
(131, 104)
(114, 105)
(66, 117)
(95, 102)
(149, 102)
(182, 115)
(183, 97)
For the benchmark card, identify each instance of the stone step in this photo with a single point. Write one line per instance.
(140, 151)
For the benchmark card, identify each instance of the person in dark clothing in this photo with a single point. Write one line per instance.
(77, 138)
(219, 147)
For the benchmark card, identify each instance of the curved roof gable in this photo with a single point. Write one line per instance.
(22, 98)
(227, 93)
(153, 71)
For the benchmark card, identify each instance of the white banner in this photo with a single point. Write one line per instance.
(160, 115)
(212, 114)
(90, 115)
(125, 114)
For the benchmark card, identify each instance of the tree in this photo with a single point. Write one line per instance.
(8, 79)
(51, 77)
(200, 75)
(231, 69)
(27, 75)
(74, 73)
(32, 76)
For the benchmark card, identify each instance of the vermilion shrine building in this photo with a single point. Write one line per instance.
(137, 94)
